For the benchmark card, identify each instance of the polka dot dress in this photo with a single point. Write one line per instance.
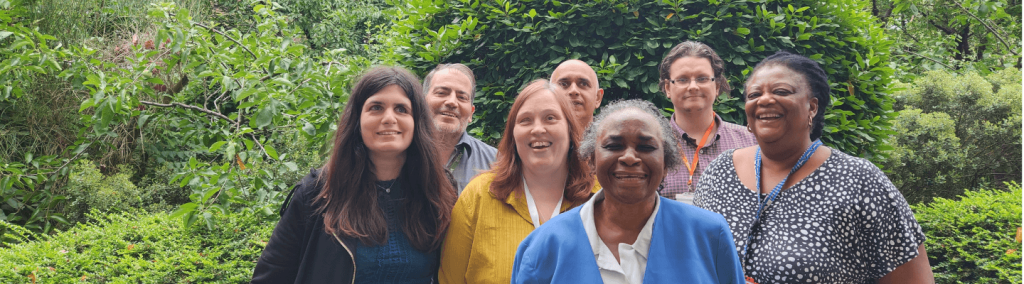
(844, 223)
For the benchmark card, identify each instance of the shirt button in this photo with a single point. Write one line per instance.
(702, 151)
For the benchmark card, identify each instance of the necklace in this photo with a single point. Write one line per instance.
(386, 189)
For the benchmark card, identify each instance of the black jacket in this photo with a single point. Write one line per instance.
(299, 251)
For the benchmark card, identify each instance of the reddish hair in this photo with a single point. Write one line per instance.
(508, 168)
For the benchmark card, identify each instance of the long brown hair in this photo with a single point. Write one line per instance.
(348, 199)
(508, 168)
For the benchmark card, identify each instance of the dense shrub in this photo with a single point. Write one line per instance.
(87, 189)
(971, 240)
(124, 248)
(509, 43)
(956, 131)
(337, 24)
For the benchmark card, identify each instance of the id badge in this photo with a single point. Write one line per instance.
(685, 197)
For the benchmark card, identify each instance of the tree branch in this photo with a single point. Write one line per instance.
(929, 58)
(192, 107)
(232, 39)
(990, 28)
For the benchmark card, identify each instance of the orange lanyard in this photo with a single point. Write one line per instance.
(696, 154)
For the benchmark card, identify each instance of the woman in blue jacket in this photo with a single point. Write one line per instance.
(632, 234)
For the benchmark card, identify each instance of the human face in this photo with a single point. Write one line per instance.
(779, 105)
(541, 133)
(450, 100)
(386, 122)
(629, 159)
(576, 80)
(691, 97)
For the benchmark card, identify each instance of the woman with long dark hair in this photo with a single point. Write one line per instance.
(378, 209)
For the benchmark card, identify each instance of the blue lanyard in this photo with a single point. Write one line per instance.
(768, 200)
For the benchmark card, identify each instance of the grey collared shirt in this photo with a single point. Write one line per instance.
(475, 157)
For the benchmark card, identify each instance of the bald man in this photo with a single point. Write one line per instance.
(574, 78)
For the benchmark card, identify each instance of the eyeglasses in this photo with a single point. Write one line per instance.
(686, 81)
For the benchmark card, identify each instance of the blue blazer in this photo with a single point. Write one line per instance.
(688, 245)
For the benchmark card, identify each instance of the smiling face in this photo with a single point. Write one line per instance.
(629, 158)
(386, 121)
(450, 100)
(577, 81)
(779, 105)
(691, 96)
(541, 133)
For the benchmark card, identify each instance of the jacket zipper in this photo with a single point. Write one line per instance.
(351, 256)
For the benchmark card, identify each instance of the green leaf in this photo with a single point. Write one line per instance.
(270, 151)
(216, 146)
(309, 129)
(183, 209)
(265, 117)
(209, 193)
(291, 166)
(743, 31)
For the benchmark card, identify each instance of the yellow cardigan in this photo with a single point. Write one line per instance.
(485, 232)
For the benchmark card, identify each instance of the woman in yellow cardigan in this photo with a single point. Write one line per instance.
(537, 175)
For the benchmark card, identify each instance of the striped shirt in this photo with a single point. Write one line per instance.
(730, 136)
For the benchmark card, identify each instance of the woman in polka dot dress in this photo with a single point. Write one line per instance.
(801, 212)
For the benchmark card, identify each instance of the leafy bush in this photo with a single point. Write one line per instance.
(971, 240)
(11, 234)
(125, 248)
(509, 43)
(27, 195)
(87, 189)
(956, 131)
(339, 24)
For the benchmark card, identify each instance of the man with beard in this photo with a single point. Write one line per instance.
(449, 91)
(575, 79)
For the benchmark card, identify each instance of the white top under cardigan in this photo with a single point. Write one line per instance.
(633, 257)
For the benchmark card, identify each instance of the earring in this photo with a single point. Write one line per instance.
(749, 130)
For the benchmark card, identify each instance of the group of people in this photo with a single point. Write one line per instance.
(628, 196)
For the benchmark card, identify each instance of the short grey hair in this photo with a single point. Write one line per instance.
(670, 141)
(462, 68)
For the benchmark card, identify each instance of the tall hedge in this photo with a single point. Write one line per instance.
(508, 43)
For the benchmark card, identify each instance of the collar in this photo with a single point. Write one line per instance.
(464, 143)
(643, 241)
(693, 142)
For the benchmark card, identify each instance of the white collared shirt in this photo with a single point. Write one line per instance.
(633, 257)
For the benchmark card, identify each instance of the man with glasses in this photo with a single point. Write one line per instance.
(575, 79)
(691, 76)
(449, 91)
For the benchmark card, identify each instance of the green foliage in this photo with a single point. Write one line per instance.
(27, 195)
(339, 24)
(971, 240)
(72, 22)
(24, 52)
(87, 189)
(982, 36)
(509, 43)
(237, 94)
(956, 131)
(125, 248)
(11, 234)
